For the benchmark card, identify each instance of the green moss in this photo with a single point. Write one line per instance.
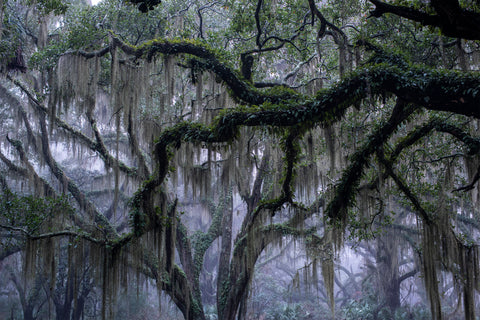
(202, 241)
(224, 293)
(164, 276)
(195, 307)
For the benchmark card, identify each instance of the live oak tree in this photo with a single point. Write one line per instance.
(293, 112)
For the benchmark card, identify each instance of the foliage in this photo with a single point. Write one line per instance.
(58, 7)
(366, 311)
(32, 212)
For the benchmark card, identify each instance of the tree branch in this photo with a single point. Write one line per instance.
(403, 187)
(453, 20)
(54, 234)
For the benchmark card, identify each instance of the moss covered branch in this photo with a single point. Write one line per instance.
(346, 189)
(433, 89)
(453, 20)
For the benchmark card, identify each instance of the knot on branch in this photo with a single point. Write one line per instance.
(380, 9)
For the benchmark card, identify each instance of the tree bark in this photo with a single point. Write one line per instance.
(225, 253)
(387, 261)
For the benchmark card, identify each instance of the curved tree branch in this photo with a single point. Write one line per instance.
(453, 20)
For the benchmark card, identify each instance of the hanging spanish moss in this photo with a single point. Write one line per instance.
(76, 84)
(441, 246)
(430, 255)
(472, 165)
(307, 182)
(169, 77)
(328, 271)
(197, 106)
(321, 250)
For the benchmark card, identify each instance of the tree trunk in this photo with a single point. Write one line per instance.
(28, 313)
(469, 285)
(387, 261)
(224, 260)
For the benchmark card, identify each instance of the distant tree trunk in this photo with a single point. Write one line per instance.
(226, 250)
(62, 310)
(462, 60)
(28, 303)
(80, 305)
(387, 266)
(468, 266)
(28, 313)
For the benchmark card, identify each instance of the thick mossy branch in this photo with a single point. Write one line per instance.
(453, 20)
(434, 89)
(346, 189)
(241, 88)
